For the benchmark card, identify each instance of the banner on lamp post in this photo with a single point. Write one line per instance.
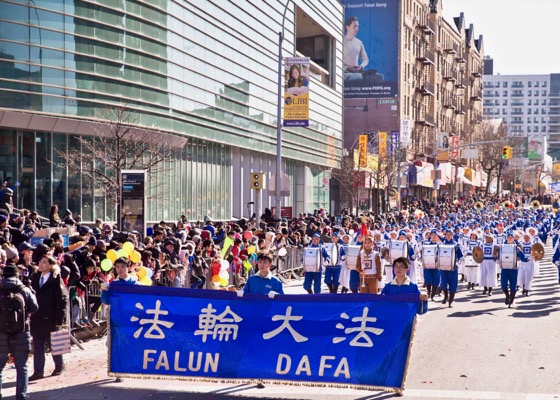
(296, 94)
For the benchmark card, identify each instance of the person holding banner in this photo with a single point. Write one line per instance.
(263, 282)
(123, 278)
(402, 284)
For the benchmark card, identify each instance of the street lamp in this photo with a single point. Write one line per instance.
(277, 198)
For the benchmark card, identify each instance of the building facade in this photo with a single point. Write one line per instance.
(440, 81)
(203, 70)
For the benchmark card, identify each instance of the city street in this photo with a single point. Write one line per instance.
(479, 349)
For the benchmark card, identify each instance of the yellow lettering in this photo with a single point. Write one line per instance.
(163, 361)
(147, 358)
(195, 368)
(281, 359)
(176, 366)
(304, 366)
(323, 365)
(342, 368)
(211, 362)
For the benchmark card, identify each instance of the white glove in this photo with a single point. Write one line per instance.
(272, 294)
(240, 293)
(104, 286)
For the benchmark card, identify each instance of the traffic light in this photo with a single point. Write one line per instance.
(257, 180)
(507, 152)
(504, 152)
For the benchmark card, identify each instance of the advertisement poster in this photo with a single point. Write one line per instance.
(535, 149)
(370, 48)
(362, 150)
(296, 94)
(382, 144)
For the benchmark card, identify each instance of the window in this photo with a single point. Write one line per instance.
(529, 84)
(504, 103)
(529, 102)
(505, 84)
(544, 92)
(529, 93)
(505, 93)
(544, 84)
(536, 83)
(543, 128)
(535, 128)
(504, 111)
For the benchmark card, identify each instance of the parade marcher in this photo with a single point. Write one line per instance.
(509, 273)
(313, 279)
(488, 270)
(431, 273)
(449, 277)
(123, 278)
(402, 284)
(344, 278)
(526, 269)
(369, 266)
(332, 272)
(15, 338)
(471, 267)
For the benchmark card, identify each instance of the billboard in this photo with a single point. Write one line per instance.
(296, 94)
(536, 149)
(371, 46)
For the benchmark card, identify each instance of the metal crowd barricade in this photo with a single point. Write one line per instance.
(290, 267)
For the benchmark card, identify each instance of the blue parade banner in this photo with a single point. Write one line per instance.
(353, 340)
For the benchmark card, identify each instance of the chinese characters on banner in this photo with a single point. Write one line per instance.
(382, 144)
(296, 93)
(362, 150)
(356, 341)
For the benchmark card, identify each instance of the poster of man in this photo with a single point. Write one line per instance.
(370, 48)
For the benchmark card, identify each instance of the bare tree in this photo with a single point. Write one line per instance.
(119, 144)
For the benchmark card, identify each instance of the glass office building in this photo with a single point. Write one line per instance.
(200, 69)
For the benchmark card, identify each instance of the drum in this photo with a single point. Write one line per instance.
(398, 248)
(332, 251)
(508, 256)
(311, 260)
(352, 256)
(429, 256)
(470, 262)
(537, 251)
(446, 257)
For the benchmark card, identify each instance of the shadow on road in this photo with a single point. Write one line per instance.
(108, 389)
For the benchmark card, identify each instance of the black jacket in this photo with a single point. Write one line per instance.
(20, 342)
(52, 299)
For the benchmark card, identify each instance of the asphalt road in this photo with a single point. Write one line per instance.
(479, 349)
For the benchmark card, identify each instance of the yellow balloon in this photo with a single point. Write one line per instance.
(145, 281)
(223, 282)
(112, 255)
(251, 249)
(135, 257)
(142, 272)
(128, 248)
(216, 278)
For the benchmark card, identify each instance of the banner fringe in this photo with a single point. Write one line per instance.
(256, 381)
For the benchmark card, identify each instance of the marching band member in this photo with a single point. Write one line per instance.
(410, 252)
(508, 277)
(472, 271)
(534, 232)
(500, 237)
(450, 278)
(556, 260)
(332, 272)
(314, 278)
(431, 275)
(488, 273)
(527, 268)
(344, 279)
(385, 261)
(369, 265)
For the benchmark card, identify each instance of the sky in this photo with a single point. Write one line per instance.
(520, 35)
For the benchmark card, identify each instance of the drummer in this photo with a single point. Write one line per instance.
(527, 268)
(432, 276)
(488, 270)
(450, 278)
(314, 278)
(508, 277)
(472, 270)
(332, 272)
